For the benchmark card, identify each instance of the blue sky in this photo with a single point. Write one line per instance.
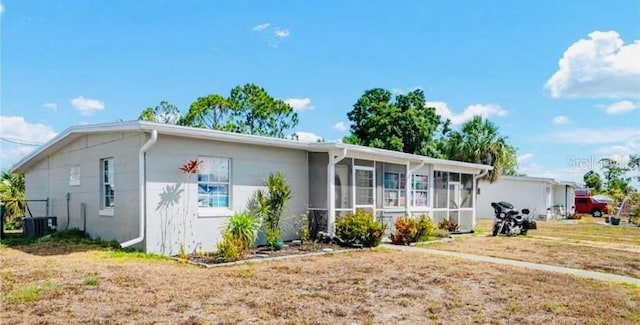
(560, 79)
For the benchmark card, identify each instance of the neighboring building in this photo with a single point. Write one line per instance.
(534, 193)
(122, 181)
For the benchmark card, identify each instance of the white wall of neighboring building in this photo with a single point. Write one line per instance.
(533, 193)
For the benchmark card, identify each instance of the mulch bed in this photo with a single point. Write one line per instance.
(263, 252)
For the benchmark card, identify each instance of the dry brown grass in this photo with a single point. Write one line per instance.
(585, 245)
(362, 287)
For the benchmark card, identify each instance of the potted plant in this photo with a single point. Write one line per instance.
(614, 218)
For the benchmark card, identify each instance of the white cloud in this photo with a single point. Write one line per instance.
(1, 8)
(16, 129)
(261, 27)
(308, 137)
(560, 120)
(340, 126)
(484, 110)
(621, 107)
(51, 106)
(594, 136)
(629, 147)
(300, 104)
(86, 106)
(281, 32)
(524, 157)
(601, 66)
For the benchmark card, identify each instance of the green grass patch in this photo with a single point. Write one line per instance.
(128, 254)
(71, 236)
(91, 280)
(30, 292)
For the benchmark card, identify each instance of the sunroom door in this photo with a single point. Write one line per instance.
(455, 200)
(365, 185)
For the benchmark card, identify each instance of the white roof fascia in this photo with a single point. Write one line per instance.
(183, 131)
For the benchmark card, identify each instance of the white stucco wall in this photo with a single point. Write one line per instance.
(521, 192)
(49, 178)
(168, 215)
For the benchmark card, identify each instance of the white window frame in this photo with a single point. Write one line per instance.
(355, 186)
(400, 191)
(208, 211)
(74, 176)
(414, 190)
(104, 209)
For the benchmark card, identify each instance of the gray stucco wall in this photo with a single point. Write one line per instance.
(318, 162)
(172, 213)
(49, 178)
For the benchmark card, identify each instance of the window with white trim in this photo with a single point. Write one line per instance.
(420, 190)
(394, 189)
(74, 176)
(108, 192)
(214, 182)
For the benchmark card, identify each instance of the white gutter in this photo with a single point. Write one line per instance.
(142, 188)
(331, 180)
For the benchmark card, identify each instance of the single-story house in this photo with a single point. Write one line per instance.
(534, 193)
(122, 181)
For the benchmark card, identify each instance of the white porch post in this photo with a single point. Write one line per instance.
(331, 202)
(407, 189)
(331, 190)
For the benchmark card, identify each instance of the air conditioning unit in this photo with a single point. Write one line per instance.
(39, 226)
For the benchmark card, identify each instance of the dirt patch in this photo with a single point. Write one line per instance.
(361, 287)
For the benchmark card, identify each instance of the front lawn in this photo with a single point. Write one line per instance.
(102, 286)
(584, 245)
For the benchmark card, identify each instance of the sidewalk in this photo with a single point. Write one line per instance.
(533, 266)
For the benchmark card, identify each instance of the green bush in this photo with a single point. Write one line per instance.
(360, 228)
(243, 227)
(410, 230)
(229, 248)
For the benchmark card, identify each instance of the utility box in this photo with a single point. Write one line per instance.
(39, 226)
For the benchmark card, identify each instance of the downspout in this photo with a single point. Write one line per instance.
(142, 189)
(331, 197)
(408, 185)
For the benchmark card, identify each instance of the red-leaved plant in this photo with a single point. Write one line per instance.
(191, 166)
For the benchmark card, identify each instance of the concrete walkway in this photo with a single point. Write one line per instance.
(527, 265)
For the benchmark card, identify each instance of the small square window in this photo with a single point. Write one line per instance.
(74, 176)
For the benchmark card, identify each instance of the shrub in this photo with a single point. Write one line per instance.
(243, 227)
(411, 230)
(270, 205)
(360, 228)
(229, 248)
(273, 238)
(448, 225)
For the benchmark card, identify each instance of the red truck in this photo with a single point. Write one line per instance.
(585, 203)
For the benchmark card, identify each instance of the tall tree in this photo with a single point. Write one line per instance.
(402, 123)
(614, 175)
(634, 164)
(478, 141)
(211, 112)
(12, 196)
(593, 181)
(163, 113)
(248, 109)
(254, 111)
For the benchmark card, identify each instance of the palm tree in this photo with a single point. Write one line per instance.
(12, 195)
(479, 141)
